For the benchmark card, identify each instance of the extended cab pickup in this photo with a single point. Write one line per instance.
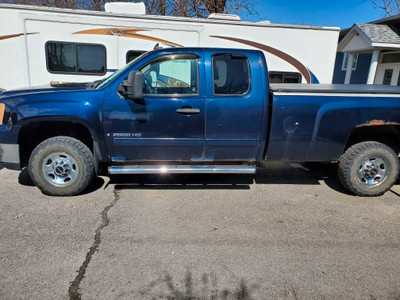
(198, 110)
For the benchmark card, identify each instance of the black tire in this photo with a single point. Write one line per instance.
(82, 159)
(351, 163)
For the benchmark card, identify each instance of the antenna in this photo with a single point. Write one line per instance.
(157, 46)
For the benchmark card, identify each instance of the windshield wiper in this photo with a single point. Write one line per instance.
(94, 84)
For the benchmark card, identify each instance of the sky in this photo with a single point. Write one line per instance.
(337, 13)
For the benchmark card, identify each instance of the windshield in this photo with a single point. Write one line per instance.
(106, 80)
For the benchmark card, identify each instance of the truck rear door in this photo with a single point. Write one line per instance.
(235, 106)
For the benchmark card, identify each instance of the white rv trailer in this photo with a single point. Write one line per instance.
(39, 45)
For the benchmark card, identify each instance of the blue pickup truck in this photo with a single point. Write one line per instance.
(198, 110)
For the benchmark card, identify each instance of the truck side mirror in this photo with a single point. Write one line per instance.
(132, 87)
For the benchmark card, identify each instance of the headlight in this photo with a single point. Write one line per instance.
(2, 109)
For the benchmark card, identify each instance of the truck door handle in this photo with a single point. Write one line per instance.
(187, 110)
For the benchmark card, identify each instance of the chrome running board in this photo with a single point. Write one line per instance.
(181, 169)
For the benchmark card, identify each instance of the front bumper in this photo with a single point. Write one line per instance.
(9, 148)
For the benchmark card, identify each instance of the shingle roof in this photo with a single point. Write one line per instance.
(379, 33)
(387, 20)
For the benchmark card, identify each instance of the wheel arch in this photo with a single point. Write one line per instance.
(387, 133)
(34, 131)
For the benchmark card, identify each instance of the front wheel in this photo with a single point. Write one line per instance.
(368, 169)
(61, 166)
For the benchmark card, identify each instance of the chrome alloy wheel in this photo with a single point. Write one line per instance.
(372, 171)
(60, 169)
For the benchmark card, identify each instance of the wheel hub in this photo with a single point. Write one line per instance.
(372, 171)
(60, 169)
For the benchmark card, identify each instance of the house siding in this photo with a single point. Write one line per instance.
(358, 76)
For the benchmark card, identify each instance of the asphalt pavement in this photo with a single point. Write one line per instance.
(290, 232)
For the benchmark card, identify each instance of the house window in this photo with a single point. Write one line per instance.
(346, 60)
(133, 54)
(387, 77)
(231, 74)
(76, 58)
(391, 58)
(284, 77)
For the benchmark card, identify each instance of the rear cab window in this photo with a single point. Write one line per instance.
(231, 74)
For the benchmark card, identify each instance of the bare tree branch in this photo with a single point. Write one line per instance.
(185, 8)
(391, 7)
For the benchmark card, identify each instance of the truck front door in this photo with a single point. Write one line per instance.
(236, 106)
(169, 124)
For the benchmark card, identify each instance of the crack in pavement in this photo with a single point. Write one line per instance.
(73, 290)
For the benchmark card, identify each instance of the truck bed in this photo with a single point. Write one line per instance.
(314, 122)
(334, 88)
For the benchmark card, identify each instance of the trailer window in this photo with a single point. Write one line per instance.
(231, 74)
(284, 77)
(61, 57)
(76, 58)
(133, 54)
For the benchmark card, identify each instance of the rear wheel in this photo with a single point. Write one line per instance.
(368, 169)
(61, 166)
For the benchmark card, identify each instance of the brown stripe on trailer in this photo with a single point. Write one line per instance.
(126, 32)
(9, 36)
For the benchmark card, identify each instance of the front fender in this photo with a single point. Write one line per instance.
(86, 113)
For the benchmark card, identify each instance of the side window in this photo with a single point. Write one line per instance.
(170, 76)
(76, 58)
(346, 59)
(387, 77)
(230, 74)
(284, 77)
(91, 59)
(61, 57)
(133, 54)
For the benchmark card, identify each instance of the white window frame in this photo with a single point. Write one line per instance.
(345, 59)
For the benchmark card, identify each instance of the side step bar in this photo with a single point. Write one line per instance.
(181, 169)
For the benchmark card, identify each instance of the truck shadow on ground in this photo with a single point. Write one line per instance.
(192, 288)
(272, 173)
